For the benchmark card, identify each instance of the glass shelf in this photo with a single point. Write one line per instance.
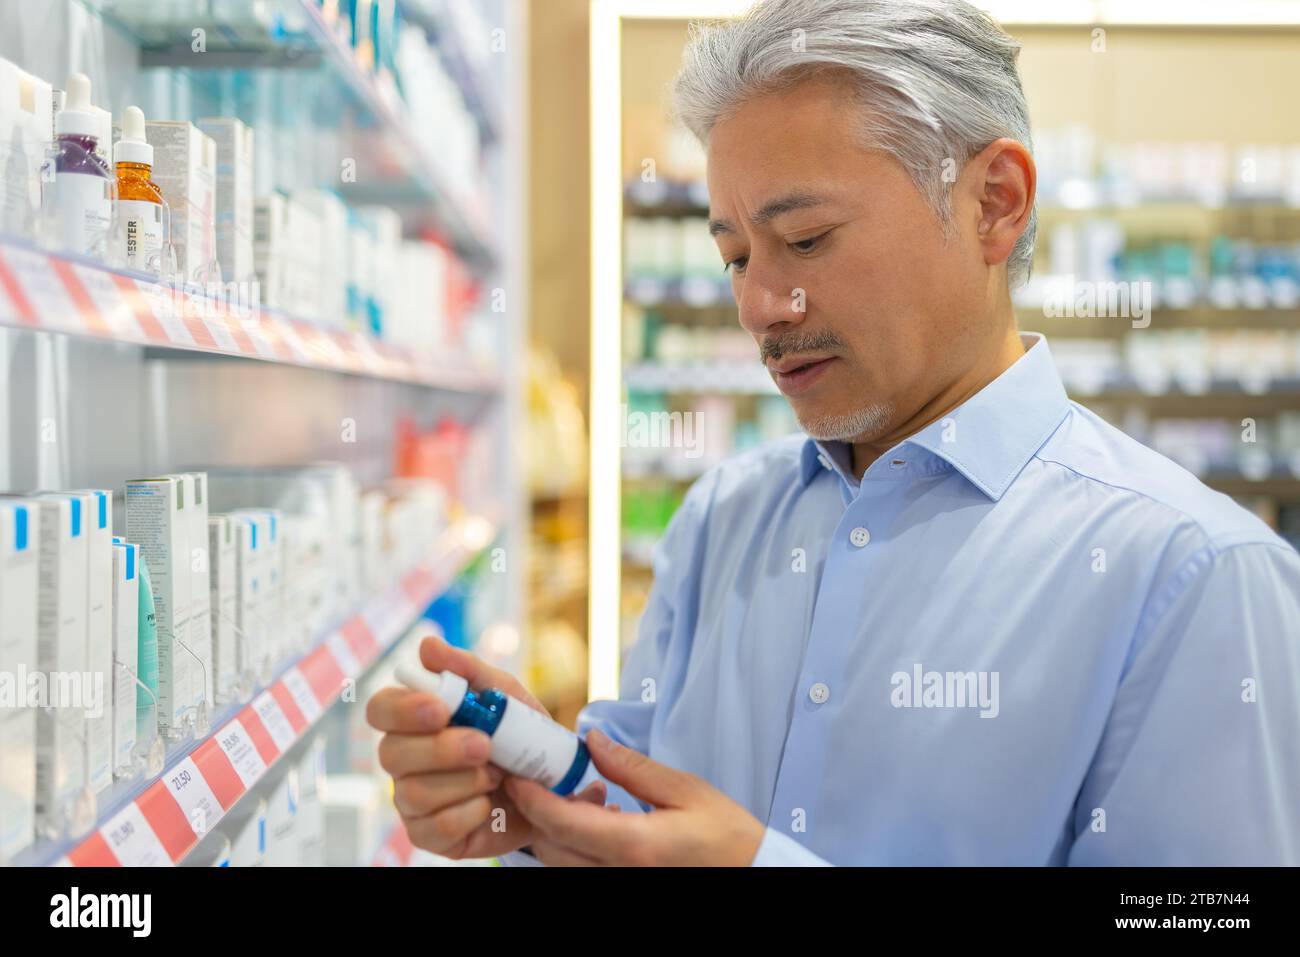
(322, 116)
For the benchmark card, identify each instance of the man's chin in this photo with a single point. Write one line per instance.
(858, 425)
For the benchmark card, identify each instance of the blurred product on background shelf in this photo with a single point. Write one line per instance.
(556, 430)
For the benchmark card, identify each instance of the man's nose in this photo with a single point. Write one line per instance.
(766, 300)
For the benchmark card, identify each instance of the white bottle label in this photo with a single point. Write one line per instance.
(141, 231)
(85, 211)
(531, 745)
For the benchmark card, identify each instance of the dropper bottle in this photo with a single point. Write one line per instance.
(139, 200)
(83, 183)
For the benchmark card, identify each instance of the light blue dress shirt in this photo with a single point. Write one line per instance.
(1022, 639)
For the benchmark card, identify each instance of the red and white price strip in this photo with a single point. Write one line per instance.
(114, 311)
(164, 822)
(277, 724)
(132, 841)
(50, 300)
(342, 653)
(197, 802)
(302, 694)
(235, 741)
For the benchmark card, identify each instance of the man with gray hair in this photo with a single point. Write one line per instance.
(962, 620)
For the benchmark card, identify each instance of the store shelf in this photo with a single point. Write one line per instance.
(1207, 317)
(437, 18)
(695, 292)
(79, 297)
(204, 779)
(691, 199)
(294, 34)
(709, 378)
(744, 378)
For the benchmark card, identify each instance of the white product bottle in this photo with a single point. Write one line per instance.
(83, 187)
(524, 742)
(140, 201)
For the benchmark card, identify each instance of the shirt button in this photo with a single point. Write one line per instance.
(819, 693)
(859, 536)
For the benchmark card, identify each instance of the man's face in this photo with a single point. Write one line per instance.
(836, 256)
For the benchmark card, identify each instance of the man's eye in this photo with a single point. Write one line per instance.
(807, 245)
(735, 265)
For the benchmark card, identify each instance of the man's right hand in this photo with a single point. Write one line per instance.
(450, 799)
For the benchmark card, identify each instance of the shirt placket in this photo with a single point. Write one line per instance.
(851, 556)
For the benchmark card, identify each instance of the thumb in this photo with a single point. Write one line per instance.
(649, 780)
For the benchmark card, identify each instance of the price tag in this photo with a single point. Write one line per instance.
(190, 789)
(42, 287)
(201, 314)
(133, 841)
(277, 725)
(219, 327)
(114, 311)
(302, 695)
(290, 337)
(261, 342)
(15, 308)
(239, 748)
(166, 304)
(343, 655)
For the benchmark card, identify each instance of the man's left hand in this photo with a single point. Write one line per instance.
(693, 824)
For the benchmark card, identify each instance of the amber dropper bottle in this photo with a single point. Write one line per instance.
(139, 200)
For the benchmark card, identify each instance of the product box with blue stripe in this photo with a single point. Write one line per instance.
(126, 611)
(157, 521)
(19, 584)
(222, 598)
(99, 633)
(61, 660)
(196, 520)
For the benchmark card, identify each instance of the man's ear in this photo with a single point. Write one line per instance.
(1003, 181)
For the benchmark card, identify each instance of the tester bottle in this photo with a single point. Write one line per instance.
(139, 200)
(83, 184)
(523, 741)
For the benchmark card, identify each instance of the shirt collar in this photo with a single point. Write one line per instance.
(991, 436)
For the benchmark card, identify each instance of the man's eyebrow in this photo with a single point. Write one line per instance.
(771, 210)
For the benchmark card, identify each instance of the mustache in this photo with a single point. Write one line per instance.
(774, 347)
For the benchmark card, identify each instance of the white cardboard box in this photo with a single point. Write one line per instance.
(156, 520)
(196, 507)
(126, 623)
(223, 597)
(99, 633)
(19, 583)
(61, 655)
(234, 222)
(270, 606)
(331, 249)
(248, 578)
(185, 169)
(246, 828)
(270, 249)
(26, 121)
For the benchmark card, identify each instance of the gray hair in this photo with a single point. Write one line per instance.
(938, 79)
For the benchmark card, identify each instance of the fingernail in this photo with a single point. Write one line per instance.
(476, 746)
